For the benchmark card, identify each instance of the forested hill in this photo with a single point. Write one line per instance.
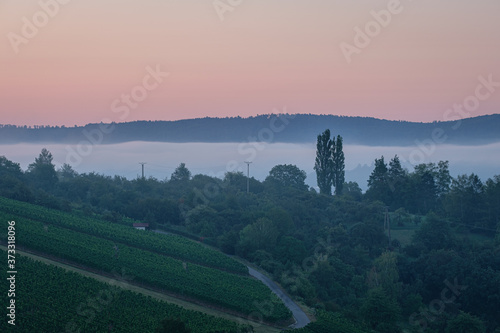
(271, 128)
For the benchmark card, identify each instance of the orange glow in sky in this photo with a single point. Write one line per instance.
(75, 62)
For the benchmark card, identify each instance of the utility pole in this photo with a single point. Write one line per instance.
(248, 176)
(142, 164)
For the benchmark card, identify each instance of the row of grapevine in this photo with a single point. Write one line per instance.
(171, 245)
(51, 299)
(235, 292)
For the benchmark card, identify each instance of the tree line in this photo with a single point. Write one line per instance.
(356, 130)
(331, 252)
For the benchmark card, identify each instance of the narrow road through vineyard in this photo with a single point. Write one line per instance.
(299, 315)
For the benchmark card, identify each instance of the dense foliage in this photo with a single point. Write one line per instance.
(437, 269)
(328, 322)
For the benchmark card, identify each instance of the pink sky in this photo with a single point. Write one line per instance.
(264, 55)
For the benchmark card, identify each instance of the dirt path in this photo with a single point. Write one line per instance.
(258, 328)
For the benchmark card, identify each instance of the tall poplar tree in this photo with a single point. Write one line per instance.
(329, 164)
(324, 162)
(338, 166)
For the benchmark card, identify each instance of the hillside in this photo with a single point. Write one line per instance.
(361, 262)
(271, 128)
(55, 300)
(165, 263)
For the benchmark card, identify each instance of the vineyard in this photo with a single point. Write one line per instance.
(237, 293)
(170, 245)
(50, 299)
(327, 320)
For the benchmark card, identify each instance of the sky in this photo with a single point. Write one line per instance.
(73, 62)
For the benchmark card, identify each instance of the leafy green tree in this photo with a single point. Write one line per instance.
(331, 278)
(384, 274)
(379, 173)
(282, 219)
(171, 325)
(402, 216)
(227, 242)
(203, 220)
(338, 166)
(324, 162)
(378, 189)
(66, 172)
(435, 233)
(424, 187)
(369, 234)
(465, 202)
(261, 235)
(237, 181)
(492, 198)
(381, 312)
(443, 178)
(288, 175)
(12, 182)
(465, 323)
(181, 173)
(8, 167)
(329, 322)
(162, 211)
(396, 172)
(291, 249)
(397, 178)
(43, 172)
(428, 185)
(352, 189)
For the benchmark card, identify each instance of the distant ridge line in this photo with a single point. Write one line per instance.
(286, 128)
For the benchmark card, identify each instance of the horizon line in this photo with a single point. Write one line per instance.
(249, 117)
